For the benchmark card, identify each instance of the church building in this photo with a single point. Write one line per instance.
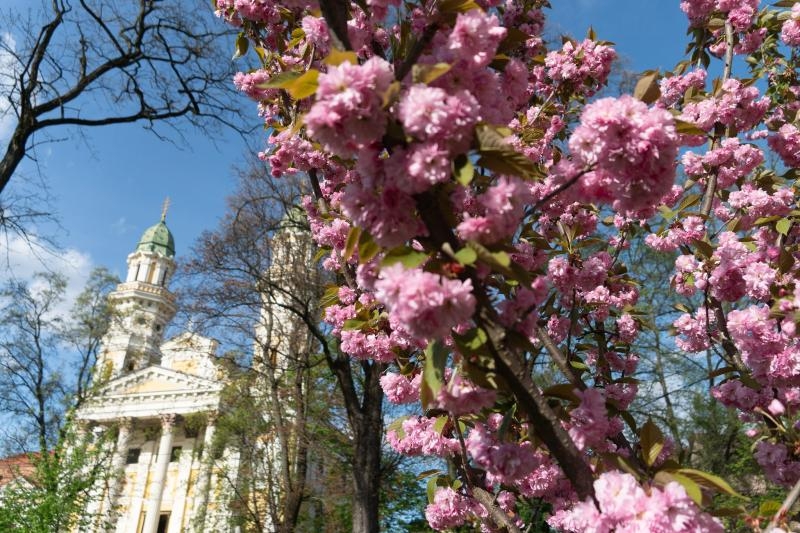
(161, 399)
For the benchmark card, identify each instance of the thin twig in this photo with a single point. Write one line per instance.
(498, 516)
(787, 504)
(711, 183)
(560, 359)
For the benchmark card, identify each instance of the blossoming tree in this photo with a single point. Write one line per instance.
(463, 170)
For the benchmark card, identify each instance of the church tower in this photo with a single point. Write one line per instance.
(291, 282)
(143, 303)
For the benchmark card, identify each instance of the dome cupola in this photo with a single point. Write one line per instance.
(158, 238)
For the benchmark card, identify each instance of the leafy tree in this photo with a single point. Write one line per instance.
(64, 481)
(45, 368)
(46, 357)
(33, 391)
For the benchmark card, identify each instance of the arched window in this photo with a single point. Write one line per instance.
(151, 271)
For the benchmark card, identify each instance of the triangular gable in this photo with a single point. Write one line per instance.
(156, 379)
(151, 392)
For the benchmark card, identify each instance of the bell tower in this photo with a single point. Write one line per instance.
(144, 305)
(291, 281)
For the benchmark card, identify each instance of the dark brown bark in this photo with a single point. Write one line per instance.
(365, 415)
(511, 364)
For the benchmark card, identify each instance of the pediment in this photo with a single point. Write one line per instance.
(157, 380)
(151, 392)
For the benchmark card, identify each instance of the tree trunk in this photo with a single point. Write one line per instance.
(367, 464)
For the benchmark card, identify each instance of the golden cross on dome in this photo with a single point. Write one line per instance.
(164, 209)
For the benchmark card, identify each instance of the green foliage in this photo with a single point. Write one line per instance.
(403, 501)
(55, 496)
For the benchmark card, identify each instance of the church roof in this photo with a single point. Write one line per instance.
(157, 238)
(150, 392)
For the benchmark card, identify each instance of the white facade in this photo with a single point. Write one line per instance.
(161, 398)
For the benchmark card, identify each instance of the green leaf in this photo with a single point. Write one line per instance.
(474, 339)
(687, 128)
(353, 323)
(578, 364)
(431, 488)
(458, 6)
(281, 80)
(337, 57)
(397, 426)
(428, 473)
(688, 201)
(715, 23)
(497, 155)
(652, 442)
(785, 260)
(463, 170)
(441, 422)
(405, 255)
(428, 73)
(330, 296)
(391, 94)
(709, 481)
(298, 85)
(433, 372)
(705, 248)
(690, 486)
(783, 226)
(352, 239)
(502, 258)
(367, 247)
(769, 508)
(305, 85)
(623, 463)
(466, 256)
(242, 44)
(514, 37)
(728, 511)
(647, 89)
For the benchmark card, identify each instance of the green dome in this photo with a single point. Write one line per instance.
(159, 239)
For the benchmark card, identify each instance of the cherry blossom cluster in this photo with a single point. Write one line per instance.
(475, 194)
(624, 506)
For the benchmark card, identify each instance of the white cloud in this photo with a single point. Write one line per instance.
(121, 226)
(7, 72)
(23, 259)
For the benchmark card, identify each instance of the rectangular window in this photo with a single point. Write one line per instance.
(133, 456)
(163, 523)
(175, 454)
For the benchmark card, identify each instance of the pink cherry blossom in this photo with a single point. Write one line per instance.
(630, 150)
(347, 115)
(399, 389)
(426, 304)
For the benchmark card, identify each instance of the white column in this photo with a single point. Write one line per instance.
(117, 477)
(179, 498)
(204, 476)
(159, 475)
(130, 522)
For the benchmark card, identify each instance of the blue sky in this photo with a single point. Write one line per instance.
(108, 183)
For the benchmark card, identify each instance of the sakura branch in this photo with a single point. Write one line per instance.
(481, 195)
